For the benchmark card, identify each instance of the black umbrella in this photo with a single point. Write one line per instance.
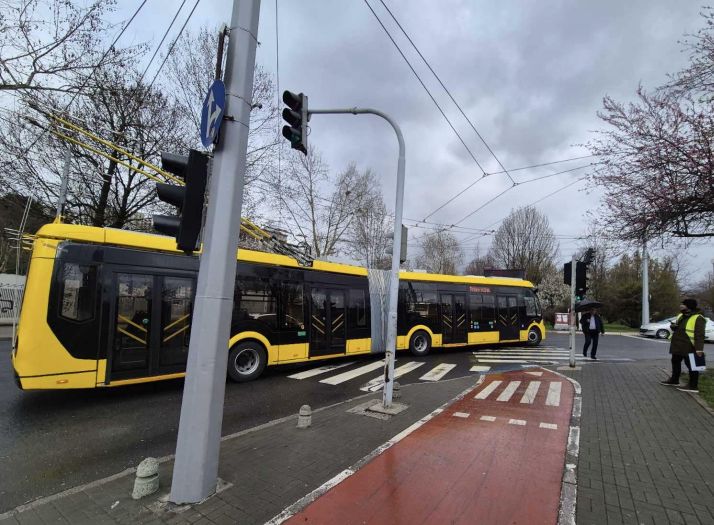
(587, 304)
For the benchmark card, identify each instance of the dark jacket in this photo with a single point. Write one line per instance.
(681, 344)
(585, 323)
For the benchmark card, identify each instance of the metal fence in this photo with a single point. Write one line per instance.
(10, 301)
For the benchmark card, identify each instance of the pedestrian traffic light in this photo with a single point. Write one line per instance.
(189, 199)
(296, 116)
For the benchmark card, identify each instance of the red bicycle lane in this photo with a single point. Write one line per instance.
(496, 456)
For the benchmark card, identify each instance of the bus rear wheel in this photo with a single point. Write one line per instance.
(246, 361)
(420, 343)
(534, 337)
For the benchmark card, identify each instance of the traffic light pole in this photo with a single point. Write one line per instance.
(197, 448)
(391, 343)
(573, 315)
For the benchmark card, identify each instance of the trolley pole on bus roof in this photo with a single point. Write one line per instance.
(391, 342)
(196, 467)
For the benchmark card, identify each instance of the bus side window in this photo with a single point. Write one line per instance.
(293, 306)
(488, 312)
(476, 306)
(78, 286)
(357, 309)
(257, 302)
(530, 300)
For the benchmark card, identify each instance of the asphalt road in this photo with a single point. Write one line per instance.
(54, 440)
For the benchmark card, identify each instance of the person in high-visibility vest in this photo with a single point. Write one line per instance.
(687, 338)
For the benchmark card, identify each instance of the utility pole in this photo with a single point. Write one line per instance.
(391, 343)
(573, 316)
(645, 285)
(197, 448)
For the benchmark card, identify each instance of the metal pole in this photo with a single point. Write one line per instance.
(573, 316)
(63, 186)
(196, 467)
(391, 343)
(645, 285)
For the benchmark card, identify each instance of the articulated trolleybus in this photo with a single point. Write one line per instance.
(106, 307)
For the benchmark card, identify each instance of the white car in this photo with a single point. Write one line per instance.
(661, 329)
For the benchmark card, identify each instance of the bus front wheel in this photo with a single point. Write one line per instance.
(420, 343)
(246, 361)
(534, 337)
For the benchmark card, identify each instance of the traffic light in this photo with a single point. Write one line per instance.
(402, 245)
(296, 116)
(185, 227)
(581, 280)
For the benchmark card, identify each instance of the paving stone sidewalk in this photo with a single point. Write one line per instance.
(267, 469)
(646, 450)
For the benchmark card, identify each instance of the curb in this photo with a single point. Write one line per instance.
(303, 502)
(569, 486)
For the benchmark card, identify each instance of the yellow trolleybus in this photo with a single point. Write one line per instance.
(106, 307)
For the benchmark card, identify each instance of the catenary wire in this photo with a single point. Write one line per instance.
(163, 38)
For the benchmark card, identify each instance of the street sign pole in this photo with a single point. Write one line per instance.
(573, 316)
(196, 467)
(391, 342)
(645, 285)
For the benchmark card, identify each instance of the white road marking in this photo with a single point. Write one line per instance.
(493, 385)
(317, 371)
(530, 393)
(439, 371)
(508, 391)
(478, 368)
(550, 426)
(553, 398)
(461, 414)
(487, 418)
(520, 422)
(535, 373)
(378, 382)
(351, 374)
(500, 361)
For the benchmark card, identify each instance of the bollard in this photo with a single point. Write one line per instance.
(396, 394)
(147, 478)
(304, 417)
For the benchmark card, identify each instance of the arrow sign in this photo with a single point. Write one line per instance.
(214, 106)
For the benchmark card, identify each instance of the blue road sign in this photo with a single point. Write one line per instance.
(214, 106)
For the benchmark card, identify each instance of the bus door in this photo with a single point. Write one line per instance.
(507, 317)
(327, 321)
(150, 326)
(454, 322)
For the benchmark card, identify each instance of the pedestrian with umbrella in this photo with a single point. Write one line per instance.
(591, 325)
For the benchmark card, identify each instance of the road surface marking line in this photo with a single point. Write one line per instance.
(346, 376)
(535, 373)
(439, 371)
(378, 382)
(493, 385)
(478, 368)
(508, 391)
(550, 426)
(553, 398)
(520, 422)
(487, 418)
(461, 414)
(500, 361)
(530, 393)
(317, 371)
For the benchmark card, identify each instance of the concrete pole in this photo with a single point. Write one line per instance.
(196, 467)
(645, 285)
(63, 186)
(391, 342)
(573, 316)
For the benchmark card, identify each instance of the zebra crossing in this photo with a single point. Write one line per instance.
(504, 394)
(480, 362)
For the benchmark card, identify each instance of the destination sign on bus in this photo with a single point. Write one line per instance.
(479, 289)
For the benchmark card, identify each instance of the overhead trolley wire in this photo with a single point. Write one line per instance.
(471, 154)
(166, 33)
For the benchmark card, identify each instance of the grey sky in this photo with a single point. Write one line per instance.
(530, 76)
